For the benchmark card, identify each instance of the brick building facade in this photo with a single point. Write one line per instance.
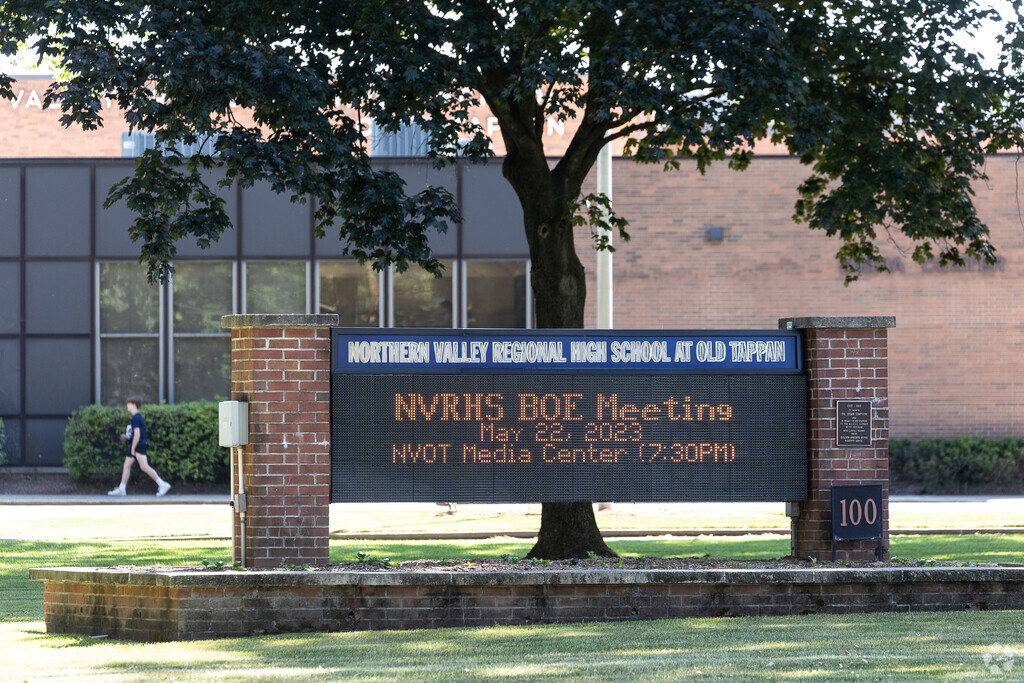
(953, 364)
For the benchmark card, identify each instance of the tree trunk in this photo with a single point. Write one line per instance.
(567, 530)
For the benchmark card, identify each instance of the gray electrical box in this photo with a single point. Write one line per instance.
(234, 423)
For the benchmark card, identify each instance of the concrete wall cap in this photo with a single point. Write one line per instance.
(140, 576)
(853, 322)
(278, 320)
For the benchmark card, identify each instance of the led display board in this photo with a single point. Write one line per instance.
(567, 415)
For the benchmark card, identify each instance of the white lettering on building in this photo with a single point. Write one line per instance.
(31, 99)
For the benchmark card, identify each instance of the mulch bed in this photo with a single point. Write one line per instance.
(595, 564)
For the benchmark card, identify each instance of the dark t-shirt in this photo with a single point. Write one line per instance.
(139, 426)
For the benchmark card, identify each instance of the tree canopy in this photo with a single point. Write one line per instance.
(891, 116)
(890, 113)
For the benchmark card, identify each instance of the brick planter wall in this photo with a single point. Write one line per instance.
(845, 358)
(281, 365)
(151, 606)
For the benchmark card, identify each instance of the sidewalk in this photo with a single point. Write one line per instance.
(224, 498)
(130, 499)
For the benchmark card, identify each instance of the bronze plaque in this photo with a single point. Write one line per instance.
(853, 424)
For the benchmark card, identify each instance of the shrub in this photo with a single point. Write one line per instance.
(91, 444)
(954, 465)
(183, 444)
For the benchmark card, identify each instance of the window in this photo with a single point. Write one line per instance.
(496, 294)
(352, 291)
(421, 300)
(275, 287)
(201, 294)
(167, 344)
(129, 332)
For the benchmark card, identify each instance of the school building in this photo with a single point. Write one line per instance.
(79, 324)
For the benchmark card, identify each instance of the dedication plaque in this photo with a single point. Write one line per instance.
(853, 424)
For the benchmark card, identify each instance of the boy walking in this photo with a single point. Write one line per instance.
(136, 434)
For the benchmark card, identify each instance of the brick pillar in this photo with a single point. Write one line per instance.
(281, 366)
(845, 358)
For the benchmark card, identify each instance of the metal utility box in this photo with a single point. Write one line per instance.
(234, 423)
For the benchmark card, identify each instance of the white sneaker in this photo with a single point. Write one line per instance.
(116, 492)
(162, 488)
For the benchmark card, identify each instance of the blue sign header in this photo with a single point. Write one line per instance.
(403, 352)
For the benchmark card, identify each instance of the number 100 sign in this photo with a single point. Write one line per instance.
(856, 512)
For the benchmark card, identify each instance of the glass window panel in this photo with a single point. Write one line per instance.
(128, 303)
(10, 226)
(57, 203)
(496, 293)
(422, 300)
(129, 366)
(202, 368)
(275, 226)
(44, 443)
(350, 290)
(10, 286)
(275, 287)
(62, 363)
(12, 445)
(202, 294)
(10, 376)
(58, 297)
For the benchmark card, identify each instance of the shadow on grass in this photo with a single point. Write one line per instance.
(887, 646)
(62, 640)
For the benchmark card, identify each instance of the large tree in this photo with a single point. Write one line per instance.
(891, 116)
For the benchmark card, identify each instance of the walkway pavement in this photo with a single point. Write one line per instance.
(140, 499)
(222, 499)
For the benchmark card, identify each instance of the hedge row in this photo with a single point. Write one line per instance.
(956, 465)
(183, 443)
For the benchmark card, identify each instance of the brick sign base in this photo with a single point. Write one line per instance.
(280, 366)
(188, 605)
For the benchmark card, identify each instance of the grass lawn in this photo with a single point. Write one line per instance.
(971, 646)
(840, 647)
(870, 647)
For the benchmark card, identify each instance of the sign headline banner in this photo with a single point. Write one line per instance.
(358, 351)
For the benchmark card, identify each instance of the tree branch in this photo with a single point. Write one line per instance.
(629, 130)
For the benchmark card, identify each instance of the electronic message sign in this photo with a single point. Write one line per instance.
(567, 415)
